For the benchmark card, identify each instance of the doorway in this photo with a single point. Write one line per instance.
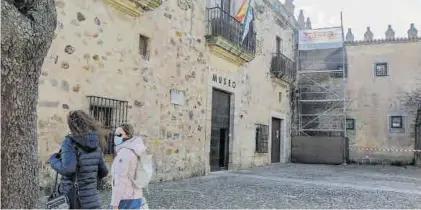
(276, 141)
(219, 145)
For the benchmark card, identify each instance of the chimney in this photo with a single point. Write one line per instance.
(368, 36)
(349, 36)
(412, 32)
(390, 33)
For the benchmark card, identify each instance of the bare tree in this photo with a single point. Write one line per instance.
(27, 29)
(412, 101)
(412, 98)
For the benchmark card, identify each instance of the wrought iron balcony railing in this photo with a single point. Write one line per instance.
(222, 24)
(283, 67)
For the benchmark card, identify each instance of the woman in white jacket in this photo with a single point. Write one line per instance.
(129, 149)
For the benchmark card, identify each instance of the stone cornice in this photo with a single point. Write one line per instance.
(225, 49)
(134, 7)
(287, 18)
(382, 41)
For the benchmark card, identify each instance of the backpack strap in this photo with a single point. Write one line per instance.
(75, 179)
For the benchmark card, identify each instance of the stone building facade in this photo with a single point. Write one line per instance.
(380, 74)
(177, 74)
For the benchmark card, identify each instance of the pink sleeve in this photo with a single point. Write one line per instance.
(122, 185)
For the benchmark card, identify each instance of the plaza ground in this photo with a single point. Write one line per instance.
(292, 186)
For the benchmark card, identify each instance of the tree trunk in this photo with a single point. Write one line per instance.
(417, 155)
(27, 29)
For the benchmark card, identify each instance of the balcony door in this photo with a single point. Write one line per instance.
(278, 45)
(226, 6)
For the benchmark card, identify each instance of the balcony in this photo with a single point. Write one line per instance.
(224, 37)
(283, 68)
(134, 7)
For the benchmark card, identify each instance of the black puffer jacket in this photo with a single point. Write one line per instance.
(91, 167)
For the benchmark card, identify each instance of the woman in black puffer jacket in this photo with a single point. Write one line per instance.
(81, 151)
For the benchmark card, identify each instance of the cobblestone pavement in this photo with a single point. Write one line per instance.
(292, 186)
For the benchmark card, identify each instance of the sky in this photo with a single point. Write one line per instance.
(358, 14)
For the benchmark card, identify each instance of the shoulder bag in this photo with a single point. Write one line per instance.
(69, 200)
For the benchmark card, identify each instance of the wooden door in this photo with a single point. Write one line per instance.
(219, 151)
(276, 141)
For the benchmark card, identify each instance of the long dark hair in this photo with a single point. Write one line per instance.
(80, 122)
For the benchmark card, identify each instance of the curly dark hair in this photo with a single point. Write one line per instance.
(80, 122)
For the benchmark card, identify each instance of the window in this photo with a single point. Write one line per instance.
(338, 74)
(110, 113)
(101, 114)
(381, 69)
(350, 124)
(143, 46)
(396, 122)
(262, 136)
(278, 44)
(280, 97)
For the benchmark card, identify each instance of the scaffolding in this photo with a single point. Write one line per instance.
(321, 90)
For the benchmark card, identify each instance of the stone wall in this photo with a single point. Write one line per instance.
(372, 100)
(95, 52)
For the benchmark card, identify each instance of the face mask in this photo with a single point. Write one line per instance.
(118, 140)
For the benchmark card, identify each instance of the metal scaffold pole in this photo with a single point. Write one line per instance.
(345, 67)
(321, 83)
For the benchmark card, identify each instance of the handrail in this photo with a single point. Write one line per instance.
(226, 13)
(283, 67)
(221, 23)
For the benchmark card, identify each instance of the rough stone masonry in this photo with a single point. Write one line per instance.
(97, 52)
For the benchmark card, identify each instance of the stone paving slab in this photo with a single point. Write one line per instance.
(292, 186)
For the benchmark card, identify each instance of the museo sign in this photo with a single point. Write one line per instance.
(223, 81)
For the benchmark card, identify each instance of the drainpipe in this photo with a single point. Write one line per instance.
(206, 112)
(206, 100)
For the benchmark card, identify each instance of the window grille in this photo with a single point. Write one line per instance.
(143, 46)
(111, 113)
(396, 122)
(350, 124)
(262, 138)
(381, 69)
